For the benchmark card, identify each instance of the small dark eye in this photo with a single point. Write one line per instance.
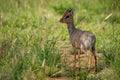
(66, 17)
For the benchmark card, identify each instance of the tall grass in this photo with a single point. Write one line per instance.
(31, 37)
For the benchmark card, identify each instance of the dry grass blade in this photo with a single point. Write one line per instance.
(107, 17)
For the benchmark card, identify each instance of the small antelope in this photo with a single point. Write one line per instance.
(82, 40)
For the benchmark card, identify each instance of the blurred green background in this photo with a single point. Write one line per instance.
(32, 38)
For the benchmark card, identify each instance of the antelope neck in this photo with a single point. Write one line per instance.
(71, 28)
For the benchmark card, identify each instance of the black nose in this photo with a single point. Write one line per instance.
(60, 20)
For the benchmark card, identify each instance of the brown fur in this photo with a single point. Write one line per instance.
(83, 40)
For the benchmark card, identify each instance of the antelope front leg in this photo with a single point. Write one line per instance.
(79, 59)
(74, 57)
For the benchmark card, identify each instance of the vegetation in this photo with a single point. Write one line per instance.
(31, 38)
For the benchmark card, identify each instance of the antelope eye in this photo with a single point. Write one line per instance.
(66, 17)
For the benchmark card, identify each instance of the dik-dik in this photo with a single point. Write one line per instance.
(82, 40)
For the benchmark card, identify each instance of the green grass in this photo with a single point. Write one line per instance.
(31, 37)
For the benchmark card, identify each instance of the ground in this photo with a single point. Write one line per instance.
(67, 57)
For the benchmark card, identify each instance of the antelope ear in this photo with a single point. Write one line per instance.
(72, 11)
